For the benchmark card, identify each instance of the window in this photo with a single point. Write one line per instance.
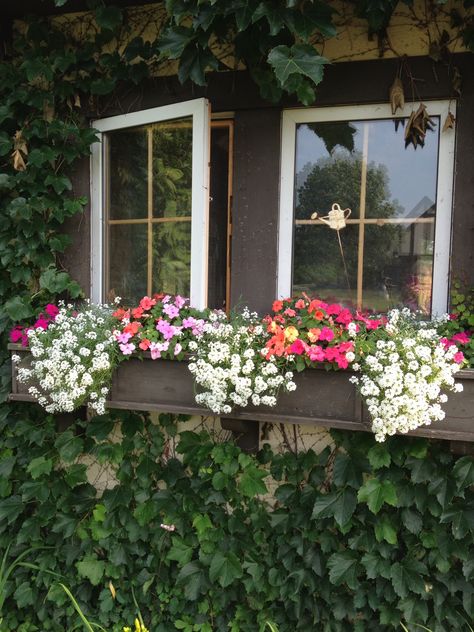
(394, 247)
(150, 198)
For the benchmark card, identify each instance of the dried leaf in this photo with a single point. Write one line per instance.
(77, 101)
(48, 111)
(20, 151)
(397, 96)
(449, 122)
(112, 590)
(18, 162)
(418, 124)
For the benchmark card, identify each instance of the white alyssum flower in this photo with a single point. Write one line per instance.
(403, 380)
(73, 359)
(229, 368)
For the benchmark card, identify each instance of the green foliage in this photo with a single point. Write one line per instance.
(355, 540)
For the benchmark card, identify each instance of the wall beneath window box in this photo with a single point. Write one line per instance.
(322, 398)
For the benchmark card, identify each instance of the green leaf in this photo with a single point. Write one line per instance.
(251, 482)
(343, 568)
(92, 569)
(375, 493)
(379, 456)
(6, 466)
(180, 551)
(407, 577)
(345, 473)
(340, 505)
(299, 59)
(18, 308)
(412, 521)
(24, 595)
(385, 530)
(145, 512)
(192, 578)
(376, 566)
(58, 282)
(174, 40)
(69, 446)
(464, 472)
(11, 508)
(5, 144)
(76, 474)
(39, 466)
(225, 568)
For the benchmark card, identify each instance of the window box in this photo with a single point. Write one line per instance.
(323, 398)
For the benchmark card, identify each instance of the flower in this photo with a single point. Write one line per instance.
(290, 333)
(51, 310)
(147, 303)
(326, 334)
(171, 310)
(277, 306)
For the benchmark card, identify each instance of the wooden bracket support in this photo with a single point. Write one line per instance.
(246, 433)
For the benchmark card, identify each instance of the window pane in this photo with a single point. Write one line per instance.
(172, 168)
(319, 263)
(398, 266)
(127, 174)
(365, 166)
(172, 257)
(127, 262)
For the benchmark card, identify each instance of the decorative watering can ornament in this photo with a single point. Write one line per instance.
(336, 219)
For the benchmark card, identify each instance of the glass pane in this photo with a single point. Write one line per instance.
(172, 257)
(319, 263)
(398, 266)
(172, 168)
(127, 174)
(127, 265)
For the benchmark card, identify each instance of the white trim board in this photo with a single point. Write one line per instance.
(444, 194)
(199, 110)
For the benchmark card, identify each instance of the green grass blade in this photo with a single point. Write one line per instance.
(88, 626)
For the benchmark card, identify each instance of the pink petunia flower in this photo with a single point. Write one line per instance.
(316, 353)
(177, 348)
(461, 337)
(51, 310)
(179, 301)
(16, 334)
(122, 337)
(300, 304)
(171, 310)
(298, 347)
(127, 349)
(459, 357)
(344, 317)
(334, 309)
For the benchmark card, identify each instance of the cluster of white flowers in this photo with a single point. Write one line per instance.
(72, 360)
(403, 380)
(229, 368)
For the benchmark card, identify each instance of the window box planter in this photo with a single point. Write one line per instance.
(324, 398)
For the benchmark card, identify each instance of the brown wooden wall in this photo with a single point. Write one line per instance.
(257, 160)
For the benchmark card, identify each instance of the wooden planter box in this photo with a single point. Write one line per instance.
(323, 398)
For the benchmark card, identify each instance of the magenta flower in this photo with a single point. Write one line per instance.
(344, 317)
(461, 337)
(16, 333)
(41, 322)
(459, 357)
(127, 349)
(298, 347)
(316, 353)
(51, 310)
(326, 334)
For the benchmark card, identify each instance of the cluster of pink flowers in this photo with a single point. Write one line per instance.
(460, 338)
(19, 333)
(162, 324)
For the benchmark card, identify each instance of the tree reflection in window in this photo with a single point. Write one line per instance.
(388, 241)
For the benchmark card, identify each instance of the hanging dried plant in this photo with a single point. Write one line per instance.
(20, 151)
(397, 96)
(417, 125)
(449, 122)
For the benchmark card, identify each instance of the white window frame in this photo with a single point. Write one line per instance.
(199, 110)
(442, 242)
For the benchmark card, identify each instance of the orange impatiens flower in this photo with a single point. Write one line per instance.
(147, 303)
(137, 312)
(277, 306)
(313, 334)
(132, 328)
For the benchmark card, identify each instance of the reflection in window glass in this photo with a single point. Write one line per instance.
(385, 255)
(148, 209)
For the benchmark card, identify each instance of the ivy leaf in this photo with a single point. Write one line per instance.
(174, 40)
(10, 508)
(251, 482)
(376, 566)
(108, 18)
(225, 568)
(180, 551)
(76, 474)
(58, 282)
(345, 473)
(145, 512)
(412, 521)
(375, 493)
(192, 578)
(299, 59)
(18, 308)
(340, 505)
(464, 472)
(379, 456)
(68, 446)
(385, 530)
(407, 576)
(92, 569)
(343, 568)
(5, 144)
(6, 466)
(39, 466)
(24, 595)
(193, 64)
